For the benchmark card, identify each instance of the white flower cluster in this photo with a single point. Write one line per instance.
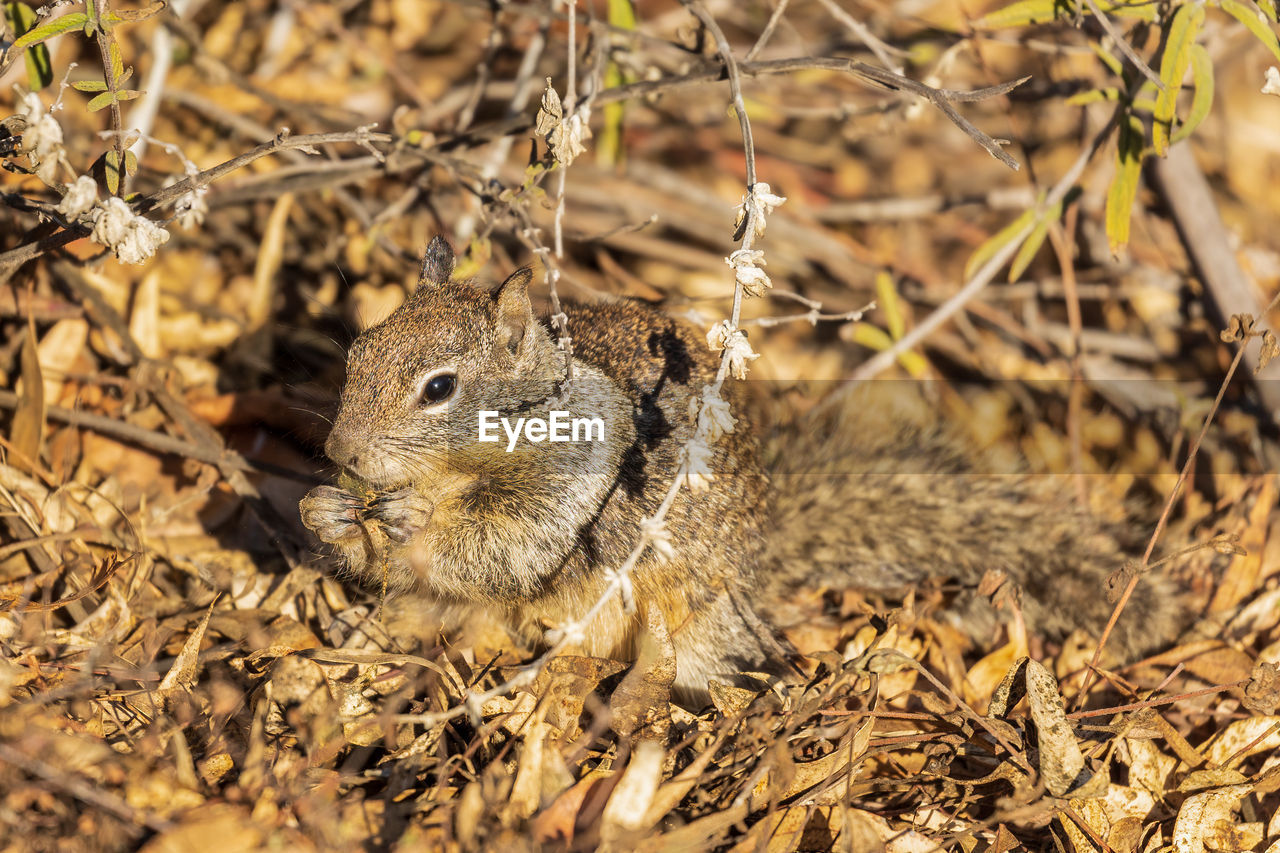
(1272, 86)
(659, 538)
(746, 265)
(133, 238)
(41, 138)
(697, 471)
(723, 337)
(80, 195)
(565, 137)
(714, 421)
(755, 205)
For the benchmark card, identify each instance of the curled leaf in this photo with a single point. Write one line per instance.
(1270, 349)
(1239, 327)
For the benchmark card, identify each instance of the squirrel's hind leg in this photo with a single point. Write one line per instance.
(725, 639)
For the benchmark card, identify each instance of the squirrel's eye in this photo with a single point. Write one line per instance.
(438, 388)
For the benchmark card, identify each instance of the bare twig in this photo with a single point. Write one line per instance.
(16, 257)
(1181, 182)
(1087, 679)
(883, 52)
(1121, 42)
(157, 441)
(882, 360)
(767, 32)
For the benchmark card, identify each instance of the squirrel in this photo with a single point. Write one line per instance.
(442, 500)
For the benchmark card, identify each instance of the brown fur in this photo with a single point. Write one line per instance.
(529, 535)
(874, 494)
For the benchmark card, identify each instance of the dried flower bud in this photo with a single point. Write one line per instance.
(746, 265)
(659, 538)
(713, 415)
(42, 137)
(564, 136)
(133, 238)
(697, 472)
(1272, 86)
(756, 204)
(81, 194)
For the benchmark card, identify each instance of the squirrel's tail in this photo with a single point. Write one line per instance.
(874, 493)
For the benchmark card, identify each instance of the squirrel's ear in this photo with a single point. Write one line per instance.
(437, 263)
(515, 312)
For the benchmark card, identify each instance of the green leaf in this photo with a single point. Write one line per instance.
(887, 299)
(97, 102)
(1144, 10)
(609, 143)
(997, 241)
(1202, 76)
(1173, 67)
(117, 61)
(111, 170)
(20, 17)
(89, 86)
(1254, 21)
(106, 99)
(873, 337)
(56, 27)
(1020, 14)
(1108, 58)
(130, 163)
(1124, 186)
(1110, 93)
(622, 14)
(1034, 241)
(1026, 12)
(1268, 8)
(39, 66)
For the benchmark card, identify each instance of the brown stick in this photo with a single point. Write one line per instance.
(1182, 184)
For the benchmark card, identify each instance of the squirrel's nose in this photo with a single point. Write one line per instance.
(341, 451)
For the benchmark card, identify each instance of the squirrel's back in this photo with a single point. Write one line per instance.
(873, 492)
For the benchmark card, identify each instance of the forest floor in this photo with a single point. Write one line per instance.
(183, 668)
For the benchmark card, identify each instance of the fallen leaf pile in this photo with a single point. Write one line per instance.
(182, 669)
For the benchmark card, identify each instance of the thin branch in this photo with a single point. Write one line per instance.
(157, 441)
(812, 317)
(882, 360)
(11, 260)
(1122, 43)
(767, 33)
(940, 98)
(748, 226)
(883, 52)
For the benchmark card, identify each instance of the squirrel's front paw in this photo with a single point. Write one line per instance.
(403, 514)
(332, 514)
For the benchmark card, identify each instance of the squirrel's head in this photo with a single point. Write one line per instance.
(417, 381)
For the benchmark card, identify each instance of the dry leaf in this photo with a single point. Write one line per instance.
(182, 675)
(634, 793)
(27, 430)
(1199, 816)
(640, 703)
